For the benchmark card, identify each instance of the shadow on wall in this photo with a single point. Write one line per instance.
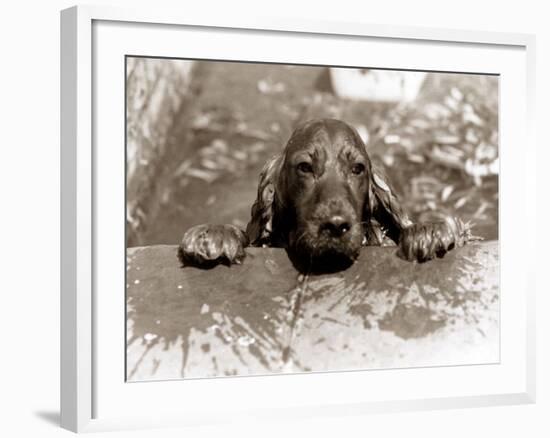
(51, 417)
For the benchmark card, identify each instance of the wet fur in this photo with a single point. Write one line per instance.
(293, 205)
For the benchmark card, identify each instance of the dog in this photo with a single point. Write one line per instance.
(323, 200)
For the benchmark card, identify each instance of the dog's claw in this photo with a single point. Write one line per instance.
(427, 240)
(205, 245)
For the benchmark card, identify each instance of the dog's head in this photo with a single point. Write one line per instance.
(319, 197)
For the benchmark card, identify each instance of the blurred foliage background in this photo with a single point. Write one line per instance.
(198, 134)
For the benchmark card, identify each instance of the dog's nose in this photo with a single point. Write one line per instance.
(336, 226)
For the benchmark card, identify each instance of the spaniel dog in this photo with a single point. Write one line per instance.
(322, 199)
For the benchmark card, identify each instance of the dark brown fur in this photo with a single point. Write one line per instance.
(322, 199)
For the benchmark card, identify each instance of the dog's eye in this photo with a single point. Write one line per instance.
(358, 168)
(305, 167)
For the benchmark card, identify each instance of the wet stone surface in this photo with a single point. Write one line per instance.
(264, 317)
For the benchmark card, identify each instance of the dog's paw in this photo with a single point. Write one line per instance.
(208, 245)
(425, 241)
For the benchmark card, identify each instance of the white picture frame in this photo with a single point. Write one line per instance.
(87, 403)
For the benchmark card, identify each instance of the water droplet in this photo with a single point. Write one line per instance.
(149, 337)
(246, 340)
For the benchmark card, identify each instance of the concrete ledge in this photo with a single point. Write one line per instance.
(263, 317)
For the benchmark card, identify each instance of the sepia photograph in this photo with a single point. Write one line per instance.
(285, 218)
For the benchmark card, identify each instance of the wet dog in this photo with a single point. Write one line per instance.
(322, 199)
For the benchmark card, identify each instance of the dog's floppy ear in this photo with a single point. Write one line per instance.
(260, 227)
(384, 205)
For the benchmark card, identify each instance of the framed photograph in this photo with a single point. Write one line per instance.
(283, 218)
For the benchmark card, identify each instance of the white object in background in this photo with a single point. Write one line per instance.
(376, 85)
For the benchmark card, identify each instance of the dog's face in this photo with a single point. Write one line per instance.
(322, 198)
(322, 188)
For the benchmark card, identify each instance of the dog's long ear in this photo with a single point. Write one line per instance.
(384, 206)
(260, 227)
